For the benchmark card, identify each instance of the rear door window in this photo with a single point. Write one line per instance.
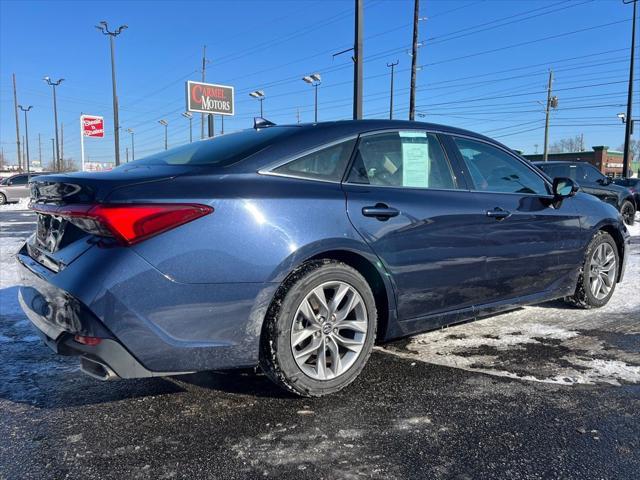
(327, 164)
(412, 159)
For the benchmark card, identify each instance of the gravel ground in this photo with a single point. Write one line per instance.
(541, 392)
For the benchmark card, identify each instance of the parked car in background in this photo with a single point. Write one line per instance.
(15, 187)
(592, 181)
(297, 247)
(633, 184)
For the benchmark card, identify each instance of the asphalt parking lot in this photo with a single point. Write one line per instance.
(542, 392)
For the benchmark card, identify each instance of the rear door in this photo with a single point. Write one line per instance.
(531, 246)
(18, 188)
(412, 206)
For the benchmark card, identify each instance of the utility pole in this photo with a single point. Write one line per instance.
(57, 164)
(628, 129)
(414, 60)
(204, 69)
(15, 107)
(62, 143)
(53, 156)
(357, 58)
(127, 153)
(552, 102)
(26, 134)
(104, 28)
(392, 65)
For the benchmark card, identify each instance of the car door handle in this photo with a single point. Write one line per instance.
(381, 211)
(498, 213)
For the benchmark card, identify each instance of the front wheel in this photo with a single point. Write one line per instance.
(599, 274)
(3, 199)
(320, 330)
(628, 212)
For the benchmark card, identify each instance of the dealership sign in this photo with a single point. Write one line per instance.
(92, 126)
(209, 98)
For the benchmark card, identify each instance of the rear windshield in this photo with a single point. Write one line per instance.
(220, 151)
(556, 170)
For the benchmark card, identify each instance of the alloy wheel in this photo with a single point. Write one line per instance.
(628, 213)
(329, 330)
(602, 270)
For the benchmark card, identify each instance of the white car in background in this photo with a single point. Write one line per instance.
(16, 187)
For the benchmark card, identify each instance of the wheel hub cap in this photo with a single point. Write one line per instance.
(329, 330)
(602, 271)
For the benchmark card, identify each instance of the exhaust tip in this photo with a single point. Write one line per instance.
(97, 369)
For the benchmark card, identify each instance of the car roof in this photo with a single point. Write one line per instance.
(346, 127)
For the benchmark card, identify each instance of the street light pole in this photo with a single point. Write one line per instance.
(26, 134)
(190, 117)
(54, 84)
(392, 65)
(314, 80)
(133, 152)
(259, 94)
(628, 130)
(165, 124)
(104, 28)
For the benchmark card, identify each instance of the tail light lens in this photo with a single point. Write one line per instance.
(129, 223)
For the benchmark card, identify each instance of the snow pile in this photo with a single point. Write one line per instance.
(22, 204)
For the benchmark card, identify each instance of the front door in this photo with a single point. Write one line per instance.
(527, 240)
(407, 201)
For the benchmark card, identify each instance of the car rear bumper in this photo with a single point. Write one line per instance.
(149, 324)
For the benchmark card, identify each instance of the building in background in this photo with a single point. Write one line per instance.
(609, 162)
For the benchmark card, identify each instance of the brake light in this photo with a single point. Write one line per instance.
(129, 223)
(89, 341)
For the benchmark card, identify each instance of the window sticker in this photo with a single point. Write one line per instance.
(415, 161)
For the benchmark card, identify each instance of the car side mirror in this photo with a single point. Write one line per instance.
(564, 187)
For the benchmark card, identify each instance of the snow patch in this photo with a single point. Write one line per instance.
(22, 204)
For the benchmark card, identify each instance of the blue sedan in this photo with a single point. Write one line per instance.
(297, 248)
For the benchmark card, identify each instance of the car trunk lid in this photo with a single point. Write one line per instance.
(58, 241)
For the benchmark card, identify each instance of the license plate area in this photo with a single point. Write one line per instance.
(50, 232)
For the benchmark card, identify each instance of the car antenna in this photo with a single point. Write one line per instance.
(259, 122)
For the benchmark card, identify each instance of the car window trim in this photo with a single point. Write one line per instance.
(437, 133)
(532, 168)
(268, 170)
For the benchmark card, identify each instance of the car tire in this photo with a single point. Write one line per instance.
(628, 212)
(3, 199)
(592, 291)
(297, 311)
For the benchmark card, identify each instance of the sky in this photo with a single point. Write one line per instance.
(483, 66)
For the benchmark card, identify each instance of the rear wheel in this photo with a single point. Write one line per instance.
(3, 199)
(599, 275)
(320, 331)
(628, 212)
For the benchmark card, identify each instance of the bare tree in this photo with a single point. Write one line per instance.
(634, 146)
(569, 144)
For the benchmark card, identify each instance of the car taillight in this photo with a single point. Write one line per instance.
(129, 223)
(89, 341)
